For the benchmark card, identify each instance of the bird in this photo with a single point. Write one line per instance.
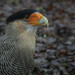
(17, 46)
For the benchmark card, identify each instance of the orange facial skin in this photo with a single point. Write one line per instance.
(34, 19)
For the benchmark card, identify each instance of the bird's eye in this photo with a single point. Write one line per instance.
(26, 16)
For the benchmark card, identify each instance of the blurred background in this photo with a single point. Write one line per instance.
(55, 45)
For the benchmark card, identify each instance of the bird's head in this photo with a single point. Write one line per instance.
(31, 16)
(36, 19)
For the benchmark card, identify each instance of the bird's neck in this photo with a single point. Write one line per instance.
(16, 28)
(23, 37)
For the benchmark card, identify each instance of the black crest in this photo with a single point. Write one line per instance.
(20, 15)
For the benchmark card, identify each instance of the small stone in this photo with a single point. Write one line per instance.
(51, 40)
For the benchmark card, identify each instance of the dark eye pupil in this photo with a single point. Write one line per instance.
(26, 16)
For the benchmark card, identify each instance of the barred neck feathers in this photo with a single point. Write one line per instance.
(17, 27)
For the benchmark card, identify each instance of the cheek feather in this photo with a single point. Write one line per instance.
(35, 18)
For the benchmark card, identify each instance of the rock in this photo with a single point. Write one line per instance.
(42, 63)
(51, 40)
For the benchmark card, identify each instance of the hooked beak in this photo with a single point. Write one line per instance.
(44, 22)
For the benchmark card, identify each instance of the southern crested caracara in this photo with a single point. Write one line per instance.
(17, 46)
